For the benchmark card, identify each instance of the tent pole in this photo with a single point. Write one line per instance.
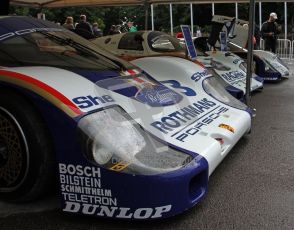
(4, 7)
(191, 13)
(250, 51)
(146, 14)
(152, 17)
(285, 13)
(260, 22)
(236, 11)
(171, 19)
(260, 16)
(212, 8)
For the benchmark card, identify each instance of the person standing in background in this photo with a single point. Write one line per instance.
(83, 28)
(114, 30)
(69, 23)
(269, 32)
(131, 26)
(96, 30)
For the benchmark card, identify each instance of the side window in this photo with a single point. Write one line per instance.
(130, 42)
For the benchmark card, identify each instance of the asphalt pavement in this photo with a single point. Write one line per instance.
(253, 188)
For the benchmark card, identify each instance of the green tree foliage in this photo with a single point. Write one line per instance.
(107, 16)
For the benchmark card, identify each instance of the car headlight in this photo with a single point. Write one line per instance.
(282, 62)
(113, 140)
(219, 66)
(268, 66)
(215, 89)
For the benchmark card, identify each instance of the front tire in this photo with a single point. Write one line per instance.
(26, 156)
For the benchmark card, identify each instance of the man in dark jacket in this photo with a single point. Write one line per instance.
(269, 32)
(83, 28)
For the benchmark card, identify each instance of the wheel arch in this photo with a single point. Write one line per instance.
(29, 98)
(61, 128)
(41, 160)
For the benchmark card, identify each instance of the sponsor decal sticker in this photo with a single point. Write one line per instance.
(205, 111)
(83, 192)
(232, 76)
(120, 166)
(227, 127)
(135, 85)
(197, 76)
(199, 124)
(85, 102)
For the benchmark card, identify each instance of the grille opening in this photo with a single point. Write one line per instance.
(198, 186)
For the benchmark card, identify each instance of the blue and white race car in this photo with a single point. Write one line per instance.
(124, 143)
(228, 66)
(266, 64)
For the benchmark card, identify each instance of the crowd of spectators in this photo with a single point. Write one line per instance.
(89, 31)
(83, 27)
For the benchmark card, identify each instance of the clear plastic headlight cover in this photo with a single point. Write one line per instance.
(268, 66)
(214, 88)
(282, 62)
(113, 140)
(219, 66)
(214, 74)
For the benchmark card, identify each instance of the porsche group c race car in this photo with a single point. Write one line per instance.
(228, 66)
(122, 142)
(266, 64)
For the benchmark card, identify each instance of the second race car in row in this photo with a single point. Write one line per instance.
(229, 67)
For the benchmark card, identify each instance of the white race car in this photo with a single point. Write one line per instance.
(228, 66)
(124, 143)
(272, 68)
(232, 69)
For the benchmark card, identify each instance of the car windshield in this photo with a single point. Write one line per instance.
(163, 43)
(57, 48)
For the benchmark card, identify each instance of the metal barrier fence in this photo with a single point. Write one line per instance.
(284, 48)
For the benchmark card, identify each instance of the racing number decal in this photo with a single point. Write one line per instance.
(175, 84)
